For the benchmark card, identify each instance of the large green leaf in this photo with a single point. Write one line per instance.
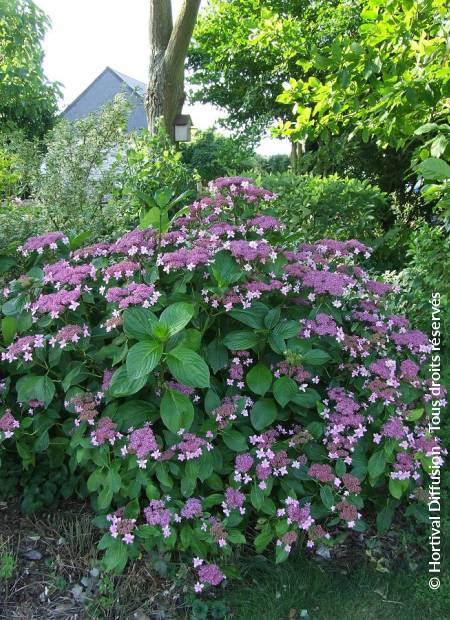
(177, 411)
(225, 269)
(176, 316)
(259, 379)
(263, 413)
(434, 169)
(33, 387)
(238, 340)
(9, 329)
(143, 357)
(284, 389)
(316, 357)
(376, 464)
(235, 440)
(217, 355)
(138, 322)
(123, 385)
(188, 367)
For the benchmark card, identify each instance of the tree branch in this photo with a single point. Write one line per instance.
(160, 25)
(181, 34)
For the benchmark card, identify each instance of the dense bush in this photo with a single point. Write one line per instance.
(213, 155)
(427, 272)
(211, 386)
(79, 170)
(151, 163)
(339, 208)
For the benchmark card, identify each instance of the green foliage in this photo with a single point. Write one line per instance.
(151, 164)
(79, 172)
(9, 175)
(427, 273)
(328, 207)
(243, 51)
(213, 155)
(387, 82)
(152, 364)
(27, 100)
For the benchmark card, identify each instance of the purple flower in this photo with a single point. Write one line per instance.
(243, 462)
(211, 574)
(38, 244)
(192, 508)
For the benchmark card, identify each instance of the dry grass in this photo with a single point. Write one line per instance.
(62, 582)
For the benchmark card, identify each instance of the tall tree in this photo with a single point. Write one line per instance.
(27, 99)
(239, 66)
(169, 44)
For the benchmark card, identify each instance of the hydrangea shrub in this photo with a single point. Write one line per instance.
(215, 387)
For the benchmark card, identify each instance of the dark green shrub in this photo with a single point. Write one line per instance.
(213, 388)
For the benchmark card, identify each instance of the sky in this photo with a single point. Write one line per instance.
(88, 35)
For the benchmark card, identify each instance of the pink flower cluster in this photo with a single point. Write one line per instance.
(70, 334)
(23, 348)
(8, 424)
(133, 294)
(40, 243)
(121, 526)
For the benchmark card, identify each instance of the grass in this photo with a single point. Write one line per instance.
(321, 591)
(63, 583)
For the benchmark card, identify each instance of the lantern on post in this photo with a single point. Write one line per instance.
(183, 125)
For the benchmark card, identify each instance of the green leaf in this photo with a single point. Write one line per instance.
(42, 442)
(327, 497)
(176, 316)
(76, 374)
(284, 389)
(316, 357)
(236, 537)
(105, 498)
(257, 497)
(264, 538)
(177, 411)
(395, 488)
(415, 414)
(188, 367)
(79, 240)
(434, 169)
(307, 399)
(163, 196)
(33, 387)
(138, 322)
(122, 385)
(263, 413)
(235, 440)
(376, 464)
(259, 379)
(286, 329)
(272, 318)
(113, 481)
(252, 317)
(9, 329)
(143, 357)
(217, 355)
(384, 518)
(192, 339)
(240, 340)
(116, 556)
(151, 218)
(95, 480)
(225, 269)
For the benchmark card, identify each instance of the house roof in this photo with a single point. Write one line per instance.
(133, 85)
(131, 82)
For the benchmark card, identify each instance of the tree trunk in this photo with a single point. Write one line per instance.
(168, 48)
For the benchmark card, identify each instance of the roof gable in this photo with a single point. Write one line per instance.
(102, 90)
